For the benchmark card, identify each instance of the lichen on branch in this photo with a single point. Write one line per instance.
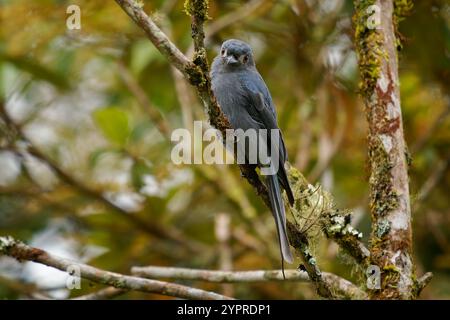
(368, 44)
(314, 211)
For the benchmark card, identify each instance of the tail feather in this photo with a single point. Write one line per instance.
(279, 214)
(285, 184)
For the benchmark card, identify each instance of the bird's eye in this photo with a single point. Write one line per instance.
(223, 52)
(244, 58)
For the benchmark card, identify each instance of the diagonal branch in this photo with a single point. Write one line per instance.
(21, 251)
(197, 73)
(194, 74)
(155, 34)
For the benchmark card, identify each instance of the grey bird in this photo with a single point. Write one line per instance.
(245, 99)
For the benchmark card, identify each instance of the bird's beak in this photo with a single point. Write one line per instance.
(231, 60)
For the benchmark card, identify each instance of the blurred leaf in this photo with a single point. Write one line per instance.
(37, 70)
(140, 130)
(142, 53)
(114, 124)
(95, 156)
(138, 170)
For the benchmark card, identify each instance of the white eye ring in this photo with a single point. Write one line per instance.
(223, 52)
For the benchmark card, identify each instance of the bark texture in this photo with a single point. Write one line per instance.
(391, 238)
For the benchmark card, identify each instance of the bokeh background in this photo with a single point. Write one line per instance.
(99, 105)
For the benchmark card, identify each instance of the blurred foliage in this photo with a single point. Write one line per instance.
(70, 96)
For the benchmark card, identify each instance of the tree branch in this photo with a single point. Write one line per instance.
(338, 284)
(20, 251)
(158, 38)
(422, 282)
(300, 242)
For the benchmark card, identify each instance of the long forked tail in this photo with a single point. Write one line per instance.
(279, 214)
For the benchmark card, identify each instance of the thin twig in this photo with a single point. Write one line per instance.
(426, 136)
(29, 290)
(103, 294)
(423, 281)
(223, 234)
(433, 179)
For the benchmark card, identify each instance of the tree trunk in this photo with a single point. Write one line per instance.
(391, 238)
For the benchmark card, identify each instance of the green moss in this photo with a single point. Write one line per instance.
(383, 197)
(390, 279)
(368, 43)
(402, 8)
(195, 75)
(390, 268)
(197, 8)
(383, 200)
(200, 59)
(297, 179)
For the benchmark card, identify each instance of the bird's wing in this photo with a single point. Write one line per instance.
(253, 84)
(261, 109)
(260, 104)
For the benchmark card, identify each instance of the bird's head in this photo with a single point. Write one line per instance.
(236, 54)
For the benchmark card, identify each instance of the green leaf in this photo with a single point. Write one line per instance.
(114, 124)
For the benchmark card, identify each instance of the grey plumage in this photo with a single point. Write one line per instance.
(244, 98)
